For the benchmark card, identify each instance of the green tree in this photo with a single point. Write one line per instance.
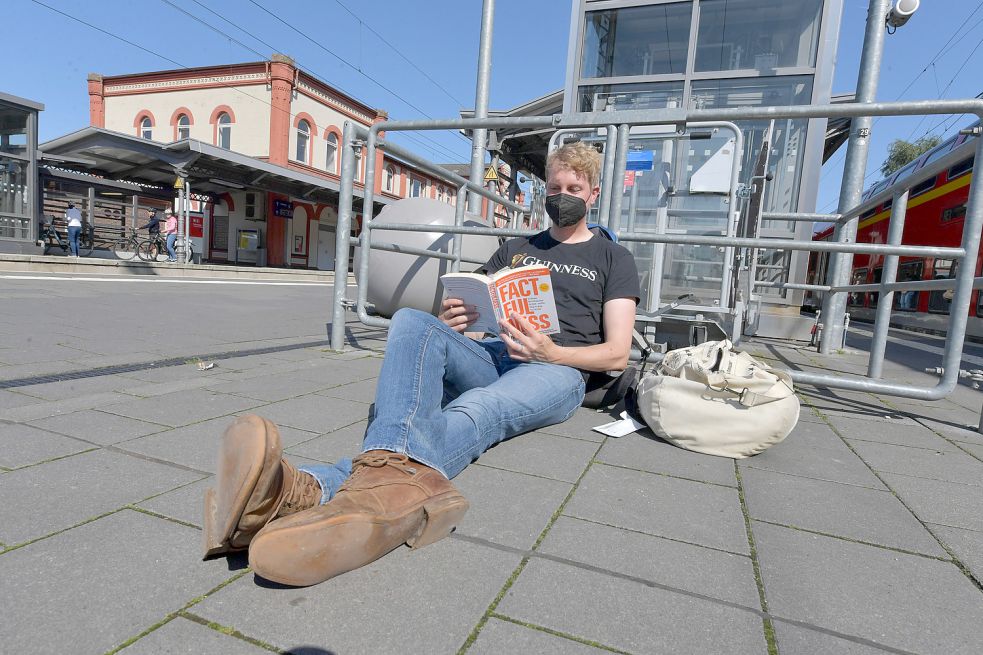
(900, 152)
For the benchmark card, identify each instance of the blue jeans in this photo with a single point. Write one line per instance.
(73, 239)
(171, 254)
(486, 397)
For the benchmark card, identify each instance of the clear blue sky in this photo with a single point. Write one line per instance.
(439, 37)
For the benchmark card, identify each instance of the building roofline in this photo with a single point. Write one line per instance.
(24, 102)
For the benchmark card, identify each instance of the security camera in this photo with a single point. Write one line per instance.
(901, 12)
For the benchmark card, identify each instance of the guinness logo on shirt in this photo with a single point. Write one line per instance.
(516, 259)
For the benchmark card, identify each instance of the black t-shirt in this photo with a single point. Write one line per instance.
(585, 276)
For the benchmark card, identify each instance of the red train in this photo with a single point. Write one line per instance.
(935, 216)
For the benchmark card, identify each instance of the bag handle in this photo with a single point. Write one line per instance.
(717, 382)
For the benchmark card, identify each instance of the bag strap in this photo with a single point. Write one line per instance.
(717, 382)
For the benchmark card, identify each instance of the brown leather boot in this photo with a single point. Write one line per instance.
(254, 486)
(388, 500)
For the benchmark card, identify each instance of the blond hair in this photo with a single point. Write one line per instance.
(578, 157)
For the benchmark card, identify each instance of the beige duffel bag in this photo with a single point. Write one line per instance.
(713, 400)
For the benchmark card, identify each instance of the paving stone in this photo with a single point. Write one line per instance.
(98, 426)
(545, 455)
(708, 515)
(330, 447)
(907, 434)
(78, 387)
(334, 373)
(12, 399)
(45, 409)
(692, 568)
(430, 599)
(947, 412)
(838, 509)
(508, 508)
(973, 449)
(899, 600)
(966, 544)
(171, 373)
(23, 445)
(579, 426)
(270, 389)
(55, 495)
(944, 503)
(954, 466)
(184, 636)
(363, 391)
(153, 389)
(960, 433)
(182, 407)
(184, 503)
(505, 638)
(646, 452)
(628, 615)
(91, 588)
(793, 640)
(814, 451)
(315, 413)
(197, 446)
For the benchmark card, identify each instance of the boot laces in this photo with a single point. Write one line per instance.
(367, 461)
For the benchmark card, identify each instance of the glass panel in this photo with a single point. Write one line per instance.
(302, 145)
(651, 95)
(907, 301)
(225, 137)
(14, 191)
(856, 298)
(13, 131)
(939, 301)
(757, 34)
(332, 155)
(649, 40)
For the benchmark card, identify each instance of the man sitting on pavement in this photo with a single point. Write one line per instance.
(303, 526)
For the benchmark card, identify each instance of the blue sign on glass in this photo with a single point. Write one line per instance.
(283, 208)
(640, 160)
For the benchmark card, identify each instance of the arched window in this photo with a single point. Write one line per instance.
(416, 188)
(440, 193)
(358, 165)
(224, 131)
(147, 128)
(303, 140)
(390, 179)
(331, 163)
(183, 127)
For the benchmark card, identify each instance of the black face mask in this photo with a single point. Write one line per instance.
(565, 210)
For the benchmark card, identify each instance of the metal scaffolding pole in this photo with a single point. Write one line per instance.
(342, 234)
(479, 135)
(854, 169)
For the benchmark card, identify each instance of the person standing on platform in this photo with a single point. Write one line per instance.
(74, 219)
(170, 229)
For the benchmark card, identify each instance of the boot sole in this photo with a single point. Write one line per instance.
(221, 515)
(302, 553)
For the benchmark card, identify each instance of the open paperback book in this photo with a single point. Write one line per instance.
(527, 291)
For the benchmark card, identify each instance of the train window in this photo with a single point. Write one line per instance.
(907, 301)
(905, 171)
(940, 151)
(887, 204)
(873, 295)
(954, 213)
(868, 213)
(944, 269)
(856, 299)
(960, 168)
(922, 187)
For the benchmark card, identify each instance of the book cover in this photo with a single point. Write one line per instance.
(526, 291)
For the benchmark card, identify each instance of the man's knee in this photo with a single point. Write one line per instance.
(411, 319)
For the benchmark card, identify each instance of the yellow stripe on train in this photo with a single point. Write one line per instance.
(948, 187)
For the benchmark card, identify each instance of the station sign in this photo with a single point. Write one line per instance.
(640, 160)
(283, 208)
(197, 226)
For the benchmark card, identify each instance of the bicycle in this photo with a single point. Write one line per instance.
(151, 249)
(127, 247)
(49, 237)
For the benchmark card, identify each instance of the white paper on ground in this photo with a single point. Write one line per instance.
(620, 428)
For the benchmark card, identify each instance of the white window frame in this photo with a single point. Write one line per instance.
(147, 129)
(183, 129)
(224, 126)
(305, 135)
(331, 161)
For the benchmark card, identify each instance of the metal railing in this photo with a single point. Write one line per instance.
(619, 124)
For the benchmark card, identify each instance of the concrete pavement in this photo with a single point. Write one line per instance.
(862, 532)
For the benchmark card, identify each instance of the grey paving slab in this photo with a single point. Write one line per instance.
(838, 509)
(184, 636)
(57, 407)
(910, 434)
(579, 425)
(967, 545)
(508, 508)
(628, 615)
(794, 640)
(271, 388)
(184, 503)
(315, 413)
(903, 601)
(172, 373)
(79, 387)
(12, 399)
(499, 637)
(430, 599)
(32, 369)
(954, 466)
(974, 449)
(362, 391)
(698, 513)
(692, 568)
(962, 433)
(98, 426)
(182, 407)
(944, 503)
(646, 452)
(91, 588)
(153, 389)
(545, 455)
(23, 445)
(42, 499)
(330, 447)
(945, 412)
(197, 445)
(814, 451)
